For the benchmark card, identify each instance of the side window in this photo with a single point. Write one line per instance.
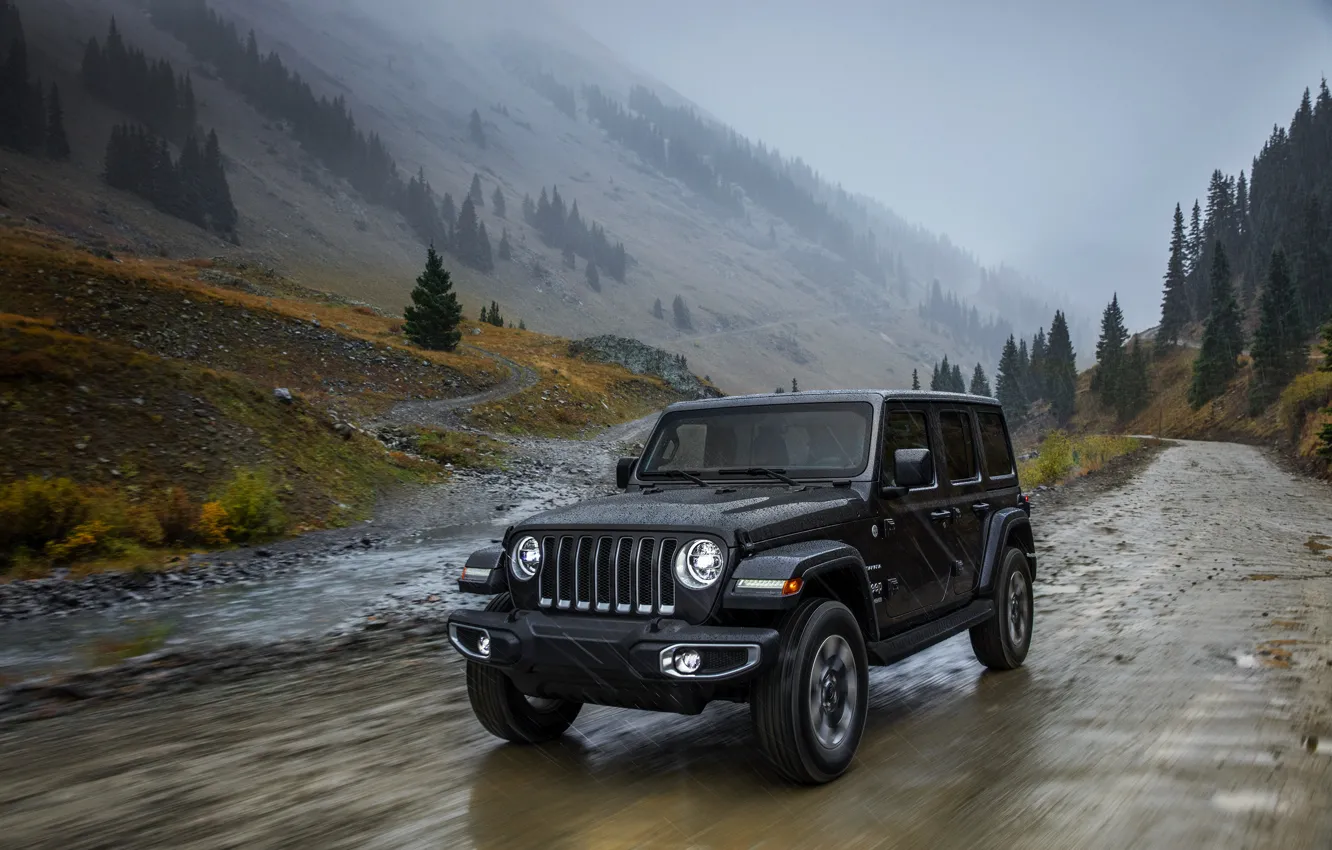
(959, 445)
(994, 445)
(903, 429)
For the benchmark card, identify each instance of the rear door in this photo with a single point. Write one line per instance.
(911, 545)
(966, 498)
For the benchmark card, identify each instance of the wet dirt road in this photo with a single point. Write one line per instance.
(1177, 694)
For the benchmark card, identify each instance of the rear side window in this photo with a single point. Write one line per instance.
(959, 445)
(904, 429)
(994, 445)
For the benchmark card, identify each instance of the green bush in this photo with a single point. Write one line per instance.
(253, 510)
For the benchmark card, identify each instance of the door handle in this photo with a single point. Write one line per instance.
(980, 508)
(941, 515)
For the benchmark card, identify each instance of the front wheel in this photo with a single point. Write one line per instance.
(809, 708)
(505, 711)
(1001, 642)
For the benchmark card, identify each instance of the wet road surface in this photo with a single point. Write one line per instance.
(1177, 694)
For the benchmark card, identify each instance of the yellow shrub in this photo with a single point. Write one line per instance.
(90, 538)
(252, 507)
(35, 511)
(473, 451)
(1304, 396)
(212, 525)
(1055, 460)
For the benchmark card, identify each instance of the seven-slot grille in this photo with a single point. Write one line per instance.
(608, 572)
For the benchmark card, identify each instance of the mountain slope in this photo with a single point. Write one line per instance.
(763, 313)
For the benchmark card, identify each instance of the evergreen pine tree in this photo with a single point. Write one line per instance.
(449, 212)
(529, 209)
(1174, 305)
(190, 167)
(497, 202)
(1110, 352)
(1036, 381)
(1024, 370)
(216, 192)
(915, 379)
(15, 95)
(465, 234)
(505, 249)
(1278, 344)
(657, 311)
(935, 383)
(795, 387)
(485, 259)
(478, 197)
(1061, 369)
(475, 130)
(1313, 267)
(683, 320)
(980, 385)
(495, 318)
(57, 143)
(1133, 389)
(522, 325)
(593, 276)
(1193, 272)
(955, 382)
(1007, 382)
(433, 317)
(1223, 337)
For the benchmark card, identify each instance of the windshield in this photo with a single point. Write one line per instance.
(815, 440)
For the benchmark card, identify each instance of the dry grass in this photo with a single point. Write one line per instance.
(463, 449)
(572, 397)
(1062, 458)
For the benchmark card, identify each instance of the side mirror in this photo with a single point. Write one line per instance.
(912, 468)
(624, 470)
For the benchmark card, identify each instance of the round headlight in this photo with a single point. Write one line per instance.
(526, 558)
(700, 564)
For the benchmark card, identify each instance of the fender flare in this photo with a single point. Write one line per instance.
(821, 561)
(486, 572)
(999, 528)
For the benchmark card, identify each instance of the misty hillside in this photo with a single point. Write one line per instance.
(763, 272)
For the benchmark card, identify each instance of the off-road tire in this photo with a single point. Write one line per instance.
(504, 711)
(997, 644)
(781, 700)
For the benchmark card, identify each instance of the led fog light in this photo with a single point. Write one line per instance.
(483, 646)
(687, 661)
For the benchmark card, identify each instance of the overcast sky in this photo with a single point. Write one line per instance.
(1052, 135)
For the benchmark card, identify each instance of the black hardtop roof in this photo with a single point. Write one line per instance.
(808, 396)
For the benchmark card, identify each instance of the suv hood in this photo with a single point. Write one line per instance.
(765, 512)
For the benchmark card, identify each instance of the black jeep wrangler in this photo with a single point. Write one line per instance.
(769, 550)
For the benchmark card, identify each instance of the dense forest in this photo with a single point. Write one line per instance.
(149, 91)
(31, 121)
(1254, 264)
(963, 319)
(565, 229)
(192, 187)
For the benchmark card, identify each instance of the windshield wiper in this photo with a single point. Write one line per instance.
(761, 470)
(680, 473)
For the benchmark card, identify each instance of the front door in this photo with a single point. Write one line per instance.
(911, 544)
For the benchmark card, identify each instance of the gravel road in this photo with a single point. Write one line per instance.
(1178, 694)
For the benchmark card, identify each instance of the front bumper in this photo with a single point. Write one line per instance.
(613, 660)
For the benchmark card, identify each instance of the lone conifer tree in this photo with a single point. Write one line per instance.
(1110, 351)
(434, 314)
(465, 234)
(1175, 303)
(485, 259)
(980, 385)
(955, 382)
(475, 130)
(478, 197)
(497, 202)
(915, 379)
(657, 311)
(57, 143)
(1278, 344)
(795, 386)
(505, 249)
(683, 320)
(1061, 369)
(1223, 337)
(593, 276)
(1008, 384)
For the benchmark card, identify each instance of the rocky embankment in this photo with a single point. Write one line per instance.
(642, 359)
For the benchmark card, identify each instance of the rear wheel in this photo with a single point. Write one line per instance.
(809, 708)
(1001, 643)
(505, 711)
